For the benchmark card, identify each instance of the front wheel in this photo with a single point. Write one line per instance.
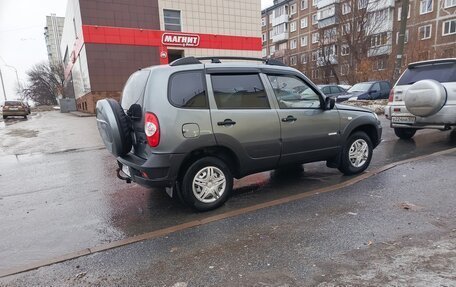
(207, 184)
(404, 133)
(356, 154)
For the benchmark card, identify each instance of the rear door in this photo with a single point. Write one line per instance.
(133, 97)
(242, 119)
(308, 132)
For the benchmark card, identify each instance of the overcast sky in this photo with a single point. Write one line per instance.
(21, 36)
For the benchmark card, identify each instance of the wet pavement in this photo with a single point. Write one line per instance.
(396, 228)
(61, 195)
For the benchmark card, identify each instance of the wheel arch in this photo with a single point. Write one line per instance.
(221, 152)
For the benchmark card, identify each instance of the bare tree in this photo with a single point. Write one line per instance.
(45, 84)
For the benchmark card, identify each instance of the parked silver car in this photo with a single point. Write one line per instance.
(424, 97)
(192, 126)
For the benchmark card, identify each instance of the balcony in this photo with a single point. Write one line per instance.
(280, 37)
(321, 61)
(378, 51)
(280, 19)
(324, 3)
(379, 5)
(327, 22)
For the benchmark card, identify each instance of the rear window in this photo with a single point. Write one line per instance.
(441, 72)
(133, 92)
(12, 103)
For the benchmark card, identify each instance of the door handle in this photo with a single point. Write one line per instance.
(289, 119)
(227, 122)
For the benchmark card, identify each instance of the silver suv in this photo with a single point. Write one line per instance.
(192, 126)
(424, 97)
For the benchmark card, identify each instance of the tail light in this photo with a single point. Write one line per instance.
(391, 96)
(152, 129)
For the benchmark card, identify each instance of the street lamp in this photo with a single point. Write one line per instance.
(1, 77)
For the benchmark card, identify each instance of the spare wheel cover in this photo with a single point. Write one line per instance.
(114, 127)
(425, 98)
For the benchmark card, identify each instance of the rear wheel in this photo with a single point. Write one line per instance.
(404, 133)
(207, 184)
(356, 154)
(25, 117)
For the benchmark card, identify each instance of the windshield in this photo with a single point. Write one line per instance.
(361, 87)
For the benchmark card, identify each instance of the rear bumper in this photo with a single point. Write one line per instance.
(445, 118)
(14, 113)
(159, 170)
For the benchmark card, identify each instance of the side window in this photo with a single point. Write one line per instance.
(186, 90)
(384, 86)
(133, 92)
(239, 92)
(293, 93)
(376, 87)
(326, 90)
(334, 90)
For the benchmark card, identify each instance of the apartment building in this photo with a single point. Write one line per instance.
(104, 42)
(53, 36)
(348, 41)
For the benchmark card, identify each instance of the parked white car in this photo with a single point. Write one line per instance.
(424, 97)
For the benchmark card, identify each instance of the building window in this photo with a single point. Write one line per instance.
(362, 4)
(379, 65)
(272, 49)
(314, 56)
(283, 46)
(449, 27)
(449, 3)
(263, 21)
(315, 74)
(344, 69)
(303, 58)
(293, 44)
(271, 33)
(304, 23)
(303, 41)
(405, 38)
(270, 18)
(315, 38)
(326, 12)
(293, 9)
(346, 29)
(304, 4)
(345, 50)
(346, 8)
(264, 52)
(380, 39)
(314, 19)
(293, 26)
(263, 36)
(279, 29)
(425, 32)
(425, 6)
(172, 20)
(314, 2)
(293, 60)
(399, 13)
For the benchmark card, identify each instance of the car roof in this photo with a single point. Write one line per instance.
(443, 60)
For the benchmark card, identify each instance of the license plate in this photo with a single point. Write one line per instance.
(14, 109)
(403, 120)
(126, 170)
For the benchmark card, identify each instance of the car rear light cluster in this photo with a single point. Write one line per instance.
(152, 129)
(391, 96)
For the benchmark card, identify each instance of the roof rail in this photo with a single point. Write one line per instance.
(216, 59)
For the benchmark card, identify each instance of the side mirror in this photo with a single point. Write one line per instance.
(135, 112)
(330, 102)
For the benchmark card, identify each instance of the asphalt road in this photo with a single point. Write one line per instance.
(59, 193)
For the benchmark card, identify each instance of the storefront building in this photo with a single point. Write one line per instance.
(103, 42)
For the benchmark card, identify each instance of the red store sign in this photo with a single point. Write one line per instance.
(182, 40)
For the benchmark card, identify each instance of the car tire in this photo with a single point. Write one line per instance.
(25, 117)
(4, 117)
(356, 154)
(114, 127)
(404, 133)
(425, 98)
(198, 188)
